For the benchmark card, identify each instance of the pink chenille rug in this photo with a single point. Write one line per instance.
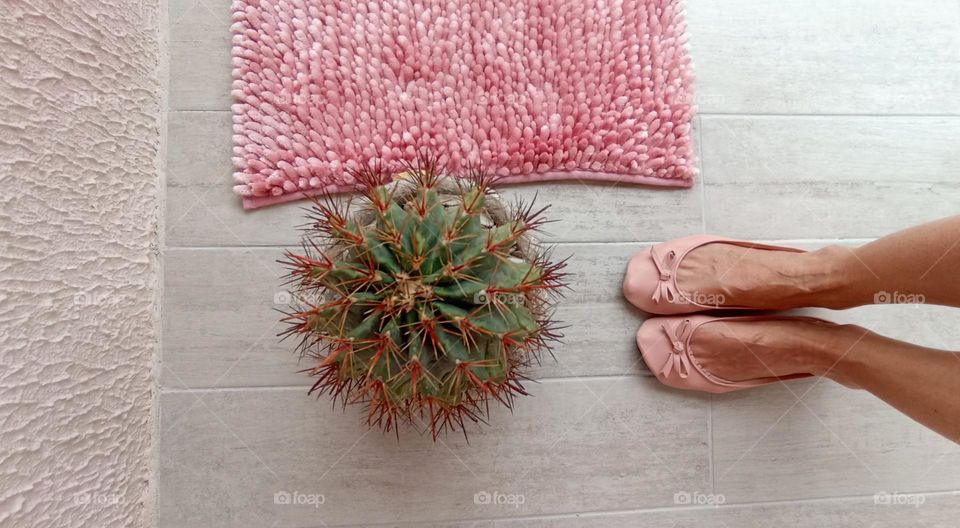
(532, 89)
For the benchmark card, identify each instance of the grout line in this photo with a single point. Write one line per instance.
(656, 509)
(710, 450)
(238, 388)
(784, 241)
(816, 115)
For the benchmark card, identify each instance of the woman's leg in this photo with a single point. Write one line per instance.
(923, 383)
(919, 264)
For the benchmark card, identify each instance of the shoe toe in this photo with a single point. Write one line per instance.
(652, 348)
(657, 351)
(641, 280)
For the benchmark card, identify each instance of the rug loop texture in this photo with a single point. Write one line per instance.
(533, 89)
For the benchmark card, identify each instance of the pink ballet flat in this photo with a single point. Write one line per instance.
(664, 343)
(651, 280)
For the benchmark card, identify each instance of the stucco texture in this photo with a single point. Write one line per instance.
(79, 144)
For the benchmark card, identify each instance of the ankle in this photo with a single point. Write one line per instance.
(836, 351)
(824, 278)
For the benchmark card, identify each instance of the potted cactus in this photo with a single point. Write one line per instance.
(423, 298)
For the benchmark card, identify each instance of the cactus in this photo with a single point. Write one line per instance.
(422, 299)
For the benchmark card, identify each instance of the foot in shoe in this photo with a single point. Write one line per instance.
(729, 275)
(748, 350)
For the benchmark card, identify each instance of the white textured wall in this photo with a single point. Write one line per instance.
(79, 144)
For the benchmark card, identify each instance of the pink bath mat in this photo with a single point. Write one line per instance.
(532, 89)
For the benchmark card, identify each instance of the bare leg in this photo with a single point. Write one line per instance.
(922, 383)
(917, 264)
(919, 261)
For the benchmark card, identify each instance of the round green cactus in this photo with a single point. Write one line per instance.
(423, 299)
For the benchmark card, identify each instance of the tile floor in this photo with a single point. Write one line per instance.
(821, 121)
